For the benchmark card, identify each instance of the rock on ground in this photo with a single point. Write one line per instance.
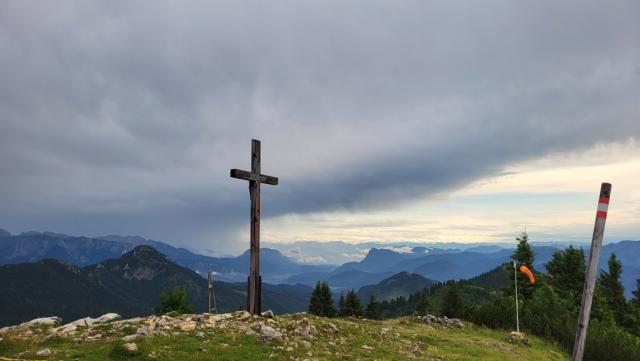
(43, 321)
(130, 347)
(516, 337)
(45, 352)
(444, 321)
(269, 331)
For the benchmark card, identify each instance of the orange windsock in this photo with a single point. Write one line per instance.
(527, 271)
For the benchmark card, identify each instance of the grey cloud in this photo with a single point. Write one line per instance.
(123, 117)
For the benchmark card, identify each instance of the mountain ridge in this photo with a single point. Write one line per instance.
(82, 251)
(129, 285)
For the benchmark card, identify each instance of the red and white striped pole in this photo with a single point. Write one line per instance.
(603, 204)
(592, 271)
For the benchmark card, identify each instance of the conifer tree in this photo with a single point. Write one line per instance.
(523, 256)
(321, 302)
(352, 305)
(341, 306)
(636, 295)
(600, 309)
(614, 291)
(315, 303)
(566, 272)
(326, 300)
(372, 311)
(452, 305)
(423, 306)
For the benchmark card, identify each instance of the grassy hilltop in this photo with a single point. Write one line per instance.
(239, 336)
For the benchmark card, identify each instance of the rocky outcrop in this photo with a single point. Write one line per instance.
(517, 337)
(38, 322)
(293, 337)
(443, 321)
(111, 325)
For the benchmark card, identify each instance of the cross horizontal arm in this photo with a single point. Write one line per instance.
(243, 174)
(267, 179)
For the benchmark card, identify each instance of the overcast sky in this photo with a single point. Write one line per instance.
(385, 120)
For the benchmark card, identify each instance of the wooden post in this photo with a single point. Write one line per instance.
(254, 305)
(254, 177)
(592, 272)
(212, 296)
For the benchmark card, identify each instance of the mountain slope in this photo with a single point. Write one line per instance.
(401, 284)
(142, 274)
(50, 287)
(236, 337)
(130, 285)
(83, 251)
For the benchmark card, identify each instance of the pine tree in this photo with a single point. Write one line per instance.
(636, 295)
(523, 256)
(326, 300)
(342, 312)
(600, 309)
(352, 306)
(423, 306)
(321, 302)
(372, 311)
(567, 272)
(452, 305)
(614, 291)
(315, 303)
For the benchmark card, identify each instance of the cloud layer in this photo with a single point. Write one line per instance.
(123, 117)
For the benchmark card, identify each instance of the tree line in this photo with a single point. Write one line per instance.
(321, 304)
(548, 309)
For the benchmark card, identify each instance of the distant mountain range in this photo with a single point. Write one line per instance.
(433, 263)
(129, 285)
(442, 265)
(83, 251)
(437, 265)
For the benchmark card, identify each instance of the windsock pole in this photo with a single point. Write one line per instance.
(515, 280)
(592, 271)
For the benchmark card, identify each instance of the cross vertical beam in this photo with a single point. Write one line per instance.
(254, 298)
(254, 177)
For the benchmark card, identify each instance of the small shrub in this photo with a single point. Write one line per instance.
(174, 301)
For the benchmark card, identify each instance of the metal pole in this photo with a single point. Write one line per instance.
(515, 280)
(592, 271)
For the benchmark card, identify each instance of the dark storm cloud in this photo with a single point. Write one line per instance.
(124, 117)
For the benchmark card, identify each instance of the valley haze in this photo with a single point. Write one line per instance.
(356, 265)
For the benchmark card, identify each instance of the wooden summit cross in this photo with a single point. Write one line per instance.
(254, 295)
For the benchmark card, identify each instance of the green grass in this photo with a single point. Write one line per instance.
(397, 339)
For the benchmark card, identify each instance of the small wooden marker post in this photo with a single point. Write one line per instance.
(212, 297)
(254, 177)
(592, 271)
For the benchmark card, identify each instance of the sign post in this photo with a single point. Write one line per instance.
(592, 272)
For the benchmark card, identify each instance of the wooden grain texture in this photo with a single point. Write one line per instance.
(590, 281)
(254, 189)
(254, 282)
